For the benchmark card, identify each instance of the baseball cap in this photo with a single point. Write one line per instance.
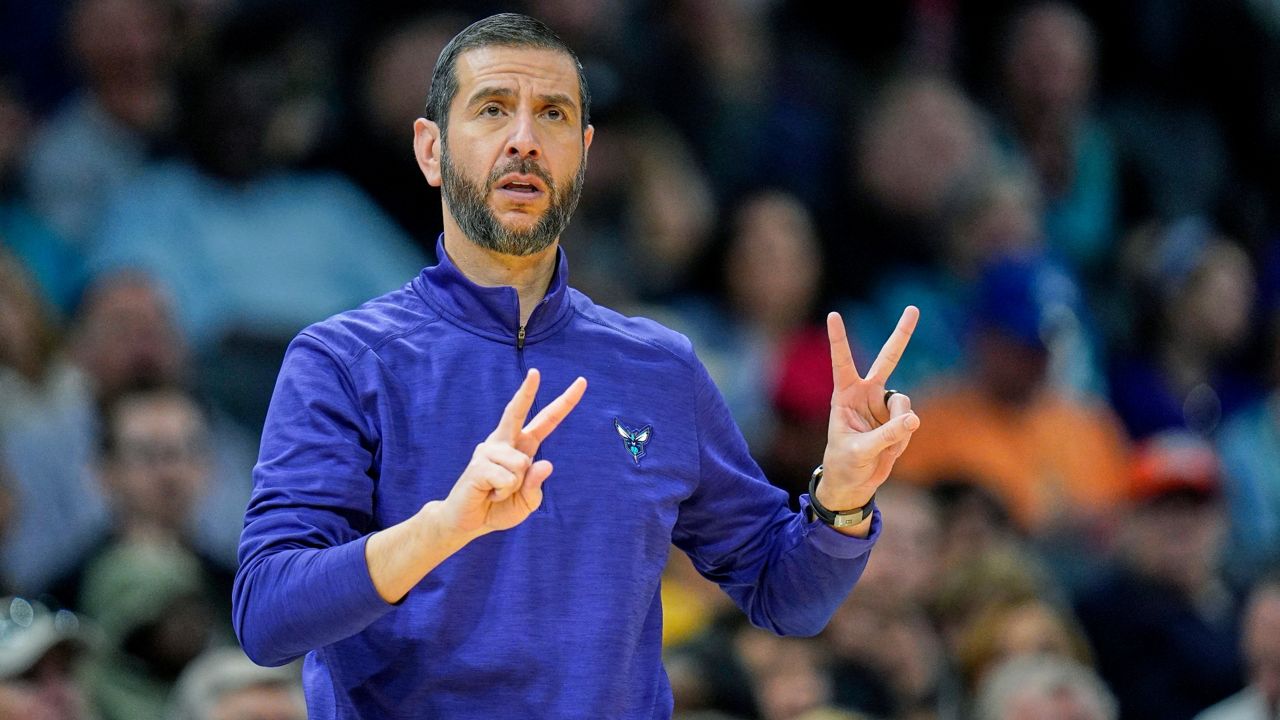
(29, 630)
(1174, 462)
(221, 671)
(1026, 297)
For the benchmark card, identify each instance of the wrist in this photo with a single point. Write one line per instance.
(852, 520)
(838, 499)
(435, 526)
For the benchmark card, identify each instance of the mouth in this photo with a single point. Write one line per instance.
(521, 187)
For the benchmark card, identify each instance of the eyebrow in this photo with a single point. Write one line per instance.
(559, 99)
(486, 93)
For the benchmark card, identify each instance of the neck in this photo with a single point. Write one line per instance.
(149, 531)
(530, 275)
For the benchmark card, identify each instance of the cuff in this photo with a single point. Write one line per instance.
(352, 566)
(832, 541)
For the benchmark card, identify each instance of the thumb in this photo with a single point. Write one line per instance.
(534, 477)
(897, 430)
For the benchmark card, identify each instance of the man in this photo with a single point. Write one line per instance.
(1260, 700)
(425, 575)
(1044, 688)
(223, 684)
(39, 652)
(1162, 619)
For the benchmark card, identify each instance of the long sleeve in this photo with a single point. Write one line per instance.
(303, 580)
(787, 573)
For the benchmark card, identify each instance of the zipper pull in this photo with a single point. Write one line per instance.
(520, 338)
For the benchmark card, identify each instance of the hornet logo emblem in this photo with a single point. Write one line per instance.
(634, 440)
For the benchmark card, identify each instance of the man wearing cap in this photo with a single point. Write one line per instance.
(38, 649)
(1055, 461)
(1162, 619)
(406, 532)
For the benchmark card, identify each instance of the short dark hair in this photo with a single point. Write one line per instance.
(503, 30)
(111, 408)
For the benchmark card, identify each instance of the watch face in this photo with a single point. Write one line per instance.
(850, 520)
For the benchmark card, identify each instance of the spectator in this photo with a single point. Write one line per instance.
(125, 52)
(153, 609)
(56, 268)
(124, 339)
(897, 671)
(39, 653)
(374, 149)
(1006, 576)
(900, 670)
(647, 218)
(787, 675)
(1162, 619)
(1049, 64)
(923, 138)
(992, 215)
(155, 466)
(1045, 688)
(223, 684)
(771, 273)
(1054, 461)
(43, 414)
(1250, 446)
(972, 522)
(1024, 629)
(265, 248)
(1261, 636)
(1195, 290)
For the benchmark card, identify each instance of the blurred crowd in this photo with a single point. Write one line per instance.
(1083, 198)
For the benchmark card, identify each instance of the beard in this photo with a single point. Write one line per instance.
(468, 204)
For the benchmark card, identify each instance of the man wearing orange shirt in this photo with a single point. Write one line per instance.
(1052, 459)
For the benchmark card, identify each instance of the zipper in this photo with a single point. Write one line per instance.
(524, 370)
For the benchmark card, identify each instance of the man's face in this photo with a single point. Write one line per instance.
(514, 154)
(1262, 643)
(161, 464)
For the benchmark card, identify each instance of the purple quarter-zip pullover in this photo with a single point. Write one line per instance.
(377, 411)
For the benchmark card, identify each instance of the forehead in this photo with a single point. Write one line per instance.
(540, 70)
(148, 415)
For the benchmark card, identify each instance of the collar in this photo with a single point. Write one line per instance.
(493, 312)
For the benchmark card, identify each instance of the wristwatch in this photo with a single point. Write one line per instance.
(837, 519)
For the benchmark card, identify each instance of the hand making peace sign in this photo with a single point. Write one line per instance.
(865, 435)
(502, 485)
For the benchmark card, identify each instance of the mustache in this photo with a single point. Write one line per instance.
(523, 166)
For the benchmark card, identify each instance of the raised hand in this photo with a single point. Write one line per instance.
(865, 435)
(502, 485)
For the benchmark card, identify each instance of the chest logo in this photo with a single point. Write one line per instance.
(634, 440)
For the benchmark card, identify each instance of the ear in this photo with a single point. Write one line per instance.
(586, 139)
(427, 149)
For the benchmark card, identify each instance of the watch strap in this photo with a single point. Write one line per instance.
(836, 518)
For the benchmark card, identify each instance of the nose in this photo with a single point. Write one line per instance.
(523, 141)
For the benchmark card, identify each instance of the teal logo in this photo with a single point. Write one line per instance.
(634, 440)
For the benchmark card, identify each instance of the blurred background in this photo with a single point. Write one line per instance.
(1083, 198)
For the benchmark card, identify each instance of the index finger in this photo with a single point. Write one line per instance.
(517, 409)
(893, 348)
(549, 419)
(843, 370)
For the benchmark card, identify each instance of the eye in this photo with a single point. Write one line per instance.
(491, 110)
(555, 113)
